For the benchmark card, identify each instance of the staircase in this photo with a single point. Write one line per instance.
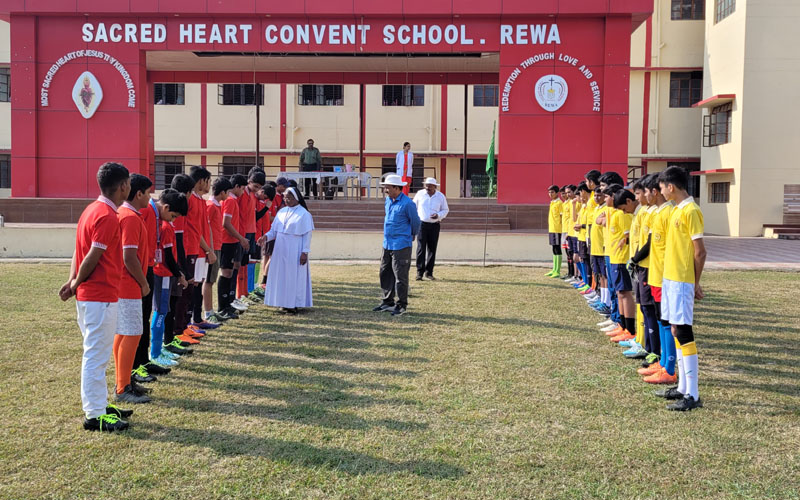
(368, 214)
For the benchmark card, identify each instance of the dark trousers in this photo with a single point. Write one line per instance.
(310, 184)
(427, 241)
(143, 349)
(394, 275)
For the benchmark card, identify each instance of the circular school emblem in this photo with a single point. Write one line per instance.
(551, 92)
(87, 94)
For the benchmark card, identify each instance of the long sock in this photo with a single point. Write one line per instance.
(234, 281)
(251, 277)
(555, 261)
(241, 282)
(124, 363)
(157, 333)
(640, 334)
(169, 321)
(689, 354)
(223, 291)
(264, 280)
(681, 369)
(606, 297)
(197, 303)
(115, 348)
(668, 353)
(630, 325)
(559, 260)
(584, 276)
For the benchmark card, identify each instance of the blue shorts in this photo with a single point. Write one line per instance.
(620, 279)
(572, 244)
(599, 265)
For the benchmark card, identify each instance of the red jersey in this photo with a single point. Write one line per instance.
(247, 212)
(277, 204)
(214, 210)
(167, 245)
(195, 226)
(262, 224)
(133, 235)
(150, 219)
(230, 209)
(99, 227)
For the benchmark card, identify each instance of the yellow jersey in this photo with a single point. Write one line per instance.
(566, 215)
(619, 229)
(573, 212)
(591, 204)
(609, 211)
(658, 242)
(554, 217)
(644, 232)
(596, 232)
(582, 213)
(685, 226)
(633, 239)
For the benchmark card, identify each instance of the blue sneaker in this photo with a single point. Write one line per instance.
(205, 325)
(164, 361)
(627, 343)
(604, 309)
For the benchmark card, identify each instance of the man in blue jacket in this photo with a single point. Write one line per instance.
(400, 226)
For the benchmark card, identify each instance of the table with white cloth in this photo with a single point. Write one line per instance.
(352, 182)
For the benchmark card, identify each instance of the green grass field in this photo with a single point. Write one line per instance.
(496, 385)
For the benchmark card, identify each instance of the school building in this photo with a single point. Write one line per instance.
(632, 86)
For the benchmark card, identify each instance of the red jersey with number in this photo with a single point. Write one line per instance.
(133, 234)
(230, 210)
(167, 245)
(99, 227)
(214, 210)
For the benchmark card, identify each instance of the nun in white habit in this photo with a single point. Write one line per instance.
(289, 279)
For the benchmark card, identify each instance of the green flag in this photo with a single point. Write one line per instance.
(490, 167)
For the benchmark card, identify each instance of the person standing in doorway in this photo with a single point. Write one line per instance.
(431, 208)
(400, 226)
(310, 161)
(404, 162)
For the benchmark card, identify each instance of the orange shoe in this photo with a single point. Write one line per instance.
(650, 370)
(614, 333)
(622, 336)
(190, 331)
(187, 338)
(661, 377)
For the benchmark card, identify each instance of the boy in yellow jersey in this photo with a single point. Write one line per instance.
(684, 259)
(619, 228)
(661, 371)
(566, 227)
(554, 230)
(582, 247)
(610, 182)
(597, 254)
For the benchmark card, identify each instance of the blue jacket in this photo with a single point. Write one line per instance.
(401, 223)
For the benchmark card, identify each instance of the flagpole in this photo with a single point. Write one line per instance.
(486, 227)
(489, 167)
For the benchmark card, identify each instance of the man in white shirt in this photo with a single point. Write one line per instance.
(404, 165)
(431, 208)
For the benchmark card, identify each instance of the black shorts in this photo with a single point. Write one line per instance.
(572, 244)
(583, 249)
(643, 294)
(213, 269)
(255, 251)
(599, 265)
(553, 238)
(245, 256)
(230, 253)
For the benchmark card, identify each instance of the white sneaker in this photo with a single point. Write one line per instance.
(239, 305)
(609, 328)
(605, 323)
(591, 296)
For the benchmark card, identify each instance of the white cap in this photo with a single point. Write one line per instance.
(430, 180)
(394, 180)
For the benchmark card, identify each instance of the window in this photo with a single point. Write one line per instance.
(320, 95)
(404, 95)
(484, 95)
(687, 10)
(694, 181)
(388, 166)
(328, 162)
(167, 167)
(685, 89)
(717, 126)
(168, 94)
(5, 171)
(719, 192)
(723, 9)
(5, 84)
(238, 165)
(240, 94)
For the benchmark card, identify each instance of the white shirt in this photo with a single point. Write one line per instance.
(400, 160)
(428, 205)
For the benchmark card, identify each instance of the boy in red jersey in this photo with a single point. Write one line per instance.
(94, 281)
(220, 190)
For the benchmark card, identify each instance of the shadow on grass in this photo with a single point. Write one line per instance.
(294, 452)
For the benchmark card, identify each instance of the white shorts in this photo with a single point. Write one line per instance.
(129, 317)
(200, 269)
(677, 302)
